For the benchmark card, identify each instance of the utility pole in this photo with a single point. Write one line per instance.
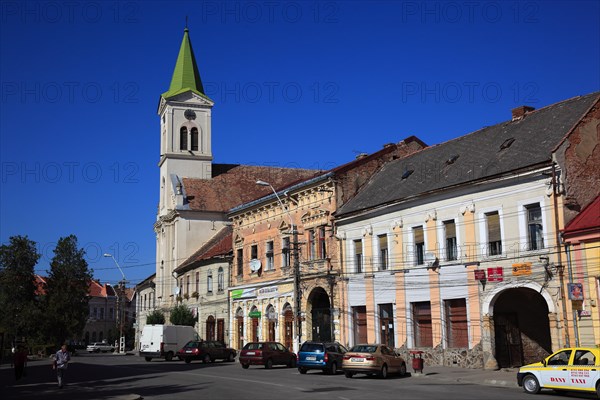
(120, 305)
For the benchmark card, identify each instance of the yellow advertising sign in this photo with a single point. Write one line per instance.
(521, 269)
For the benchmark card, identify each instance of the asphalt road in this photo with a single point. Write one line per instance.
(109, 376)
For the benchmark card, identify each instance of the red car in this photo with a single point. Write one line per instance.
(207, 351)
(267, 354)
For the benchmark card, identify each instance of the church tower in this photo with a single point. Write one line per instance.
(185, 129)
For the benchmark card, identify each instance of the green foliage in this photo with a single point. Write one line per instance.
(156, 317)
(66, 306)
(182, 315)
(19, 302)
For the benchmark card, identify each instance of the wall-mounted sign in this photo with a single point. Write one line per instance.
(479, 274)
(254, 314)
(243, 294)
(575, 291)
(268, 291)
(520, 269)
(495, 274)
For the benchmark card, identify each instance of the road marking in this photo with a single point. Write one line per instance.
(233, 379)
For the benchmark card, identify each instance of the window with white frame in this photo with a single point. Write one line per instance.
(322, 247)
(221, 280)
(269, 255)
(285, 252)
(358, 256)
(535, 229)
(383, 252)
(450, 241)
(312, 245)
(419, 245)
(209, 282)
(494, 233)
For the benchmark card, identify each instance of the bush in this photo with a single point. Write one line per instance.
(156, 317)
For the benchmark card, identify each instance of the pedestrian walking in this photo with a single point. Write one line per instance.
(20, 361)
(61, 361)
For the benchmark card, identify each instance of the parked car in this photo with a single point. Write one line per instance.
(207, 351)
(100, 347)
(267, 354)
(373, 359)
(569, 369)
(325, 356)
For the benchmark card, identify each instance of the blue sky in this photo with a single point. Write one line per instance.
(295, 83)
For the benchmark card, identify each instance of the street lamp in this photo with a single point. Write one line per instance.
(298, 321)
(119, 304)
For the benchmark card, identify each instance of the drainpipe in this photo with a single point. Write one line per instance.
(558, 246)
(570, 272)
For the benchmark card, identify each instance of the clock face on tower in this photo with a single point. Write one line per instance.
(189, 114)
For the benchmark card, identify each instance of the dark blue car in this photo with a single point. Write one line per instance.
(320, 355)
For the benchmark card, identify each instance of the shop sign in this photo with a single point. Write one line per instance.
(254, 314)
(495, 274)
(237, 294)
(479, 274)
(521, 269)
(575, 291)
(268, 291)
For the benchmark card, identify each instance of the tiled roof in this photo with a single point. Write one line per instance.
(491, 151)
(587, 219)
(221, 244)
(236, 184)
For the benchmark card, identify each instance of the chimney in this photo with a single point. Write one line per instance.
(519, 112)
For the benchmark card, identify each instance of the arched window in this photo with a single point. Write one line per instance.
(220, 280)
(209, 282)
(93, 337)
(183, 138)
(210, 328)
(194, 139)
(101, 336)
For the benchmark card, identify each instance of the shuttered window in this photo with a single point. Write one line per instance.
(494, 233)
(422, 327)
(456, 323)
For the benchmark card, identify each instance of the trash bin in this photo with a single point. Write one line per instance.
(417, 360)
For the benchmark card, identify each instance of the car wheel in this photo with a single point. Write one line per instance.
(231, 357)
(403, 369)
(269, 364)
(302, 370)
(598, 389)
(148, 359)
(188, 360)
(245, 366)
(332, 369)
(348, 374)
(169, 356)
(292, 363)
(384, 372)
(206, 359)
(531, 384)
(97, 350)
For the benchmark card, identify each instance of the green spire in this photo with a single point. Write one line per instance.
(185, 76)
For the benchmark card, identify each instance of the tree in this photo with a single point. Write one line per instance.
(182, 315)
(156, 317)
(67, 298)
(19, 300)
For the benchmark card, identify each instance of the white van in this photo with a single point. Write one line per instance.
(163, 341)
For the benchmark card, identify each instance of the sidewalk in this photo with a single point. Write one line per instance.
(506, 377)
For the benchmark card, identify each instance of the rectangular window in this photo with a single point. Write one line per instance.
(419, 239)
(95, 313)
(322, 243)
(383, 252)
(535, 230)
(492, 220)
(360, 324)
(240, 262)
(187, 284)
(456, 323)
(358, 261)
(312, 245)
(209, 282)
(422, 328)
(269, 254)
(197, 282)
(102, 313)
(111, 313)
(285, 252)
(254, 252)
(451, 247)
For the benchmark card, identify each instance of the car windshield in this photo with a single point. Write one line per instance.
(312, 347)
(192, 345)
(364, 349)
(253, 346)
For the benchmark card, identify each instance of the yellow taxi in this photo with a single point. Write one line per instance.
(570, 369)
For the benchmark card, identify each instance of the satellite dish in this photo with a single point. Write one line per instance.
(255, 264)
(431, 260)
(176, 290)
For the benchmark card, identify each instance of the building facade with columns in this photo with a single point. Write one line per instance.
(454, 250)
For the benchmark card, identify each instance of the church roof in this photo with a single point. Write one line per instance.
(233, 185)
(185, 76)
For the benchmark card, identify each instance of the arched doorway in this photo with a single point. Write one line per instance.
(288, 321)
(210, 328)
(271, 322)
(320, 311)
(239, 317)
(521, 327)
(254, 324)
